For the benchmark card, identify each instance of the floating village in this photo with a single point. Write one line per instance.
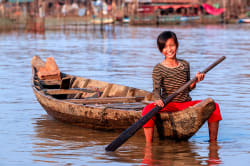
(41, 15)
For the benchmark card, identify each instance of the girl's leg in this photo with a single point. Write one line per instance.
(149, 126)
(146, 109)
(213, 124)
(216, 115)
(213, 131)
(149, 132)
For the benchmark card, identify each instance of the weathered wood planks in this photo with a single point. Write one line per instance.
(106, 100)
(68, 91)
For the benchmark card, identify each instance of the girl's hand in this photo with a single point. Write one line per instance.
(159, 103)
(200, 76)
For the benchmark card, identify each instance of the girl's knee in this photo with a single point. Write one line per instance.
(217, 106)
(147, 108)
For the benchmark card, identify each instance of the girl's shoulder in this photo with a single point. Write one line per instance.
(158, 66)
(184, 62)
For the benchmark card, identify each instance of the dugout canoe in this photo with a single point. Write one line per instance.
(107, 106)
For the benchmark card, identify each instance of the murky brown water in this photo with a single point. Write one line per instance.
(124, 55)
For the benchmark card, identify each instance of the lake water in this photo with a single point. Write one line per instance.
(123, 55)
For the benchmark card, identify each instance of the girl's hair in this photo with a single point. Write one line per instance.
(163, 37)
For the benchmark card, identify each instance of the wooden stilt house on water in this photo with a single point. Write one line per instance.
(175, 12)
(41, 15)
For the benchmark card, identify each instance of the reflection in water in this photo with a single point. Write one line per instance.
(63, 144)
(50, 129)
(57, 140)
(171, 153)
(213, 157)
(178, 153)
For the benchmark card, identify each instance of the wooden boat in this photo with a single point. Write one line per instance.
(101, 105)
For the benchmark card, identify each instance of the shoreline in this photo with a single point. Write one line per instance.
(37, 24)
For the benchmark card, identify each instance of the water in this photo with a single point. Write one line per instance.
(123, 55)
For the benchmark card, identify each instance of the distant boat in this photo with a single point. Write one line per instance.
(189, 18)
(126, 20)
(101, 105)
(244, 20)
(102, 21)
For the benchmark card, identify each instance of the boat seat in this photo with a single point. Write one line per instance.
(65, 83)
(106, 100)
(68, 91)
(49, 84)
(113, 90)
(135, 106)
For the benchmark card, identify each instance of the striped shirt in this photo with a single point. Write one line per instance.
(167, 80)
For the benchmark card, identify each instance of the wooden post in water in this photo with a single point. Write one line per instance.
(101, 25)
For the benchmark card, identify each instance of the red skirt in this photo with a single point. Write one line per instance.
(174, 106)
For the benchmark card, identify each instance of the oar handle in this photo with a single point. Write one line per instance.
(125, 135)
(214, 64)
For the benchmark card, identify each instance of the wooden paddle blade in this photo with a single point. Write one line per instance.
(125, 135)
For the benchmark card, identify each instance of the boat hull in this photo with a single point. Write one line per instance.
(87, 116)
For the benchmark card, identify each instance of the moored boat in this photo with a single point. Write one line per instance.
(101, 105)
(244, 20)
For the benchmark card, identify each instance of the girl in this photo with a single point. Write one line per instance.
(170, 75)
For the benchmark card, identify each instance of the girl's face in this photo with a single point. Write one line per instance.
(170, 49)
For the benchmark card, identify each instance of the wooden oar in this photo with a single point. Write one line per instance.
(125, 135)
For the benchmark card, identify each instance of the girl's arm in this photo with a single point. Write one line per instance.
(157, 86)
(200, 77)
